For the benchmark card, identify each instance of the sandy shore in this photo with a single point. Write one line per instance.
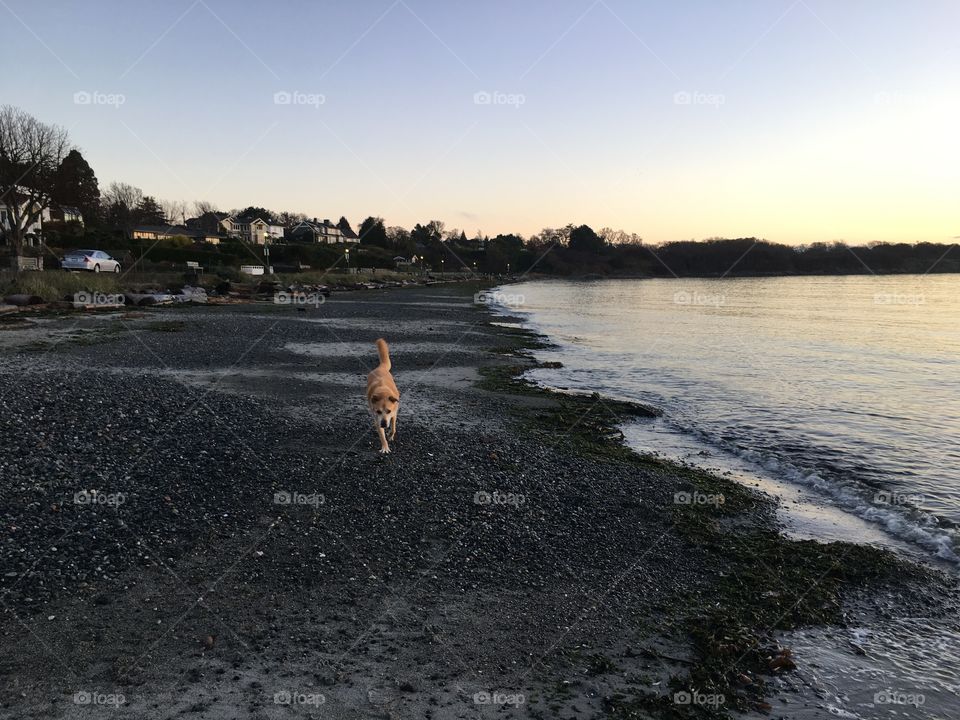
(197, 524)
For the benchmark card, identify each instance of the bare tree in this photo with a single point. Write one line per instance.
(120, 202)
(122, 194)
(30, 155)
(175, 210)
(203, 207)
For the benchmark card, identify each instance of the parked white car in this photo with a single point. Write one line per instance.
(95, 260)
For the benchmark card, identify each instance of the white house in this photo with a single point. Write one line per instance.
(257, 231)
(32, 232)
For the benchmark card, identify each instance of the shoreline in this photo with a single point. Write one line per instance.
(384, 599)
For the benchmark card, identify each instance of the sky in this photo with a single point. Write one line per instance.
(797, 121)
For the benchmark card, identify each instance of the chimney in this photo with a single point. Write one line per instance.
(314, 221)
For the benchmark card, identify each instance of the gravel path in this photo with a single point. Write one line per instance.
(197, 524)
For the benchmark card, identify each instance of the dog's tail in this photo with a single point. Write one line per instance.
(384, 353)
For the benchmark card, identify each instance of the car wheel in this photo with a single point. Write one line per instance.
(96, 268)
(116, 268)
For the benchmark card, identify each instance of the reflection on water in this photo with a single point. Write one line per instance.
(841, 395)
(847, 385)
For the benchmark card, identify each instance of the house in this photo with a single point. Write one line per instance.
(65, 214)
(31, 234)
(325, 233)
(161, 232)
(256, 230)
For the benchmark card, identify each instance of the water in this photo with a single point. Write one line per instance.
(841, 395)
(848, 386)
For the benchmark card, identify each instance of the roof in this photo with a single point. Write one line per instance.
(174, 230)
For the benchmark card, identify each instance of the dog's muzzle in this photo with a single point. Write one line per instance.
(384, 424)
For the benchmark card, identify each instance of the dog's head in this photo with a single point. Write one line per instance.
(384, 407)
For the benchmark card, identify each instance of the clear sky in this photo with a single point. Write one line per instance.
(794, 120)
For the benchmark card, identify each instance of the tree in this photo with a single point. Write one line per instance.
(373, 232)
(400, 240)
(31, 153)
(120, 202)
(149, 212)
(76, 185)
(252, 213)
(203, 207)
(584, 239)
(344, 225)
(175, 211)
(289, 219)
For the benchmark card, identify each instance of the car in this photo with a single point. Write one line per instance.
(95, 260)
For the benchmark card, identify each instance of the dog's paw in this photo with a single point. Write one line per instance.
(384, 451)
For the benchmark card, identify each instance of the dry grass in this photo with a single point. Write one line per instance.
(54, 285)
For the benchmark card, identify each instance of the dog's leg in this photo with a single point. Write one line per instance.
(393, 428)
(384, 448)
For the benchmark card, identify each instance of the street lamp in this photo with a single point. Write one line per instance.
(346, 251)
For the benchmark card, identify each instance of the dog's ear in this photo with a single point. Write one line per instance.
(393, 399)
(374, 398)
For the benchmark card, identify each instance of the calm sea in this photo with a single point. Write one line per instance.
(839, 394)
(846, 386)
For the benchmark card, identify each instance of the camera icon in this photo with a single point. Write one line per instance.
(682, 498)
(482, 498)
(682, 98)
(682, 698)
(482, 98)
(282, 698)
(82, 697)
(282, 98)
(82, 98)
(682, 297)
(281, 498)
(481, 698)
(282, 298)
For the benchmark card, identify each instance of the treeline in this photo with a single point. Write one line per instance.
(41, 170)
(749, 257)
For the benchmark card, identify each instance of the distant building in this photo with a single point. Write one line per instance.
(66, 213)
(162, 232)
(256, 231)
(32, 232)
(314, 231)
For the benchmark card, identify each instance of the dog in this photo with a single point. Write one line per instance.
(383, 398)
